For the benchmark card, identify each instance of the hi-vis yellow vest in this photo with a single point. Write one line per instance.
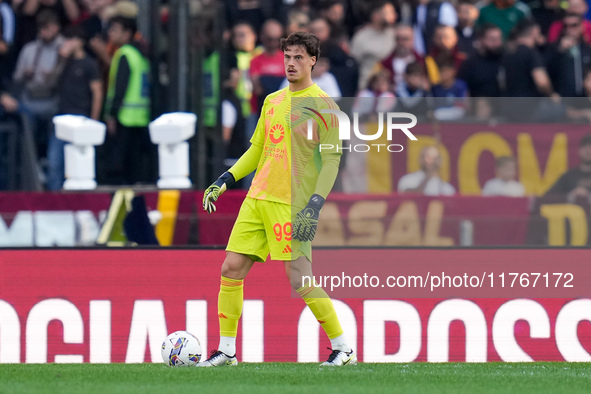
(135, 110)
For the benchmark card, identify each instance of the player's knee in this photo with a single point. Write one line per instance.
(296, 276)
(295, 281)
(236, 266)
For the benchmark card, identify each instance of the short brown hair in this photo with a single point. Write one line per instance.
(586, 140)
(501, 161)
(414, 68)
(47, 17)
(305, 39)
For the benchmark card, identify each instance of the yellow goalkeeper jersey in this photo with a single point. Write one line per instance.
(289, 166)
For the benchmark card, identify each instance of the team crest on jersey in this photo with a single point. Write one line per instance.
(277, 134)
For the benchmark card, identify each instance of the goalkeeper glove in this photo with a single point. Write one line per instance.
(213, 192)
(306, 221)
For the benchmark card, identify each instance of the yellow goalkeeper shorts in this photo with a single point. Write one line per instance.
(264, 227)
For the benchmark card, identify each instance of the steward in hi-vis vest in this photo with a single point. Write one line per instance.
(129, 155)
(134, 110)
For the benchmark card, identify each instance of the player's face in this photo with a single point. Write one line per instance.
(507, 171)
(587, 84)
(430, 159)
(492, 40)
(298, 64)
(404, 40)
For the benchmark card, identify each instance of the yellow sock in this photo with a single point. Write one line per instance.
(323, 309)
(230, 306)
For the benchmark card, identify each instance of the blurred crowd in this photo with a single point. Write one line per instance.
(426, 53)
(449, 59)
(78, 57)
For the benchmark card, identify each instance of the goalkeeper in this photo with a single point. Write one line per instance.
(293, 174)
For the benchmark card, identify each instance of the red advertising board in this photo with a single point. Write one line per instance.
(74, 219)
(103, 306)
(394, 220)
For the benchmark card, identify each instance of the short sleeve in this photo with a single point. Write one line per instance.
(404, 183)
(255, 66)
(487, 190)
(229, 114)
(448, 189)
(448, 15)
(536, 60)
(93, 71)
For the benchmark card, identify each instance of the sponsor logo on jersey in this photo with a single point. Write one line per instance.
(277, 134)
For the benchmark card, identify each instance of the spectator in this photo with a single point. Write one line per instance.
(211, 77)
(449, 95)
(569, 57)
(254, 13)
(128, 149)
(480, 71)
(129, 10)
(7, 38)
(304, 6)
(244, 40)
(267, 69)
(576, 182)
(333, 11)
(67, 12)
(579, 108)
(504, 184)
(413, 91)
(97, 21)
(8, 104)
(375, 40)
(34, 75)
(233, 122)
(522, 69)
(574, 6)
(322, 77)
(467, 16)
(80, 92)
(297, 21)
(95, 28)
(369, 103)
(342, 65)
(444, 48)
(403, 55)
(503, 13)
(428, 15)
(377, 97)
(547, 14)
(426, 181)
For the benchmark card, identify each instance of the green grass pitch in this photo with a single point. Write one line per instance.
(282, 378)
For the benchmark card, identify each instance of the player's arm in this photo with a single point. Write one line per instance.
(246, 164)
(306, 221)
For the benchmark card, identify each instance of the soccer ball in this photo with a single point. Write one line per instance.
(181, 349)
